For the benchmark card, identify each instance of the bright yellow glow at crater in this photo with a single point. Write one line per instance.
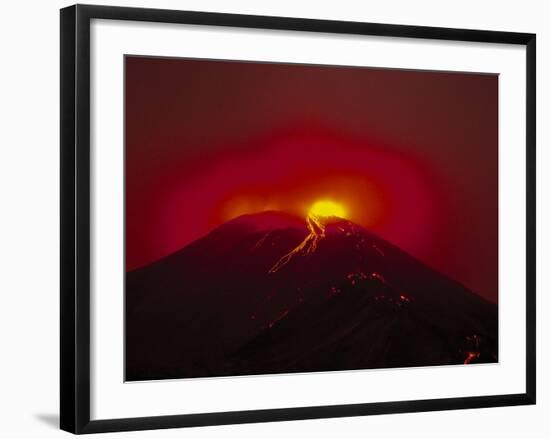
(327, 208)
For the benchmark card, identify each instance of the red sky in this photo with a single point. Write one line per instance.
(412, 155)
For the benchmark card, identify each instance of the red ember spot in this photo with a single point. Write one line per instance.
(471, 356)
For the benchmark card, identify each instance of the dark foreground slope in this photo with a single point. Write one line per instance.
(214, 308)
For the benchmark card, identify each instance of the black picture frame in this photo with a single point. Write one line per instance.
(75, 217)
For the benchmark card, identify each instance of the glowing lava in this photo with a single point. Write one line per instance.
(327, 208)
(319, 211)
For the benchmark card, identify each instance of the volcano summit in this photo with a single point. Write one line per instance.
(272, 293)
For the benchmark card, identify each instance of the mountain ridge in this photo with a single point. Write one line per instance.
(215, 307)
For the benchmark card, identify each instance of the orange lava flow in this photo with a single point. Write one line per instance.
(307, 246)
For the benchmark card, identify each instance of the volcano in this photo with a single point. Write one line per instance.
(272, 293)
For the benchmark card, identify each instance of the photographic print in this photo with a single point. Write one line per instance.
(290, 218)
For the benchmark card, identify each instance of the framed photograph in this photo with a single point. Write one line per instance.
(268, 218)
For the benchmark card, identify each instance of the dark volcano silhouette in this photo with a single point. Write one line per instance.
(222, 306)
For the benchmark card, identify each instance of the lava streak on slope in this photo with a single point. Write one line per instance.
(308, 245)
